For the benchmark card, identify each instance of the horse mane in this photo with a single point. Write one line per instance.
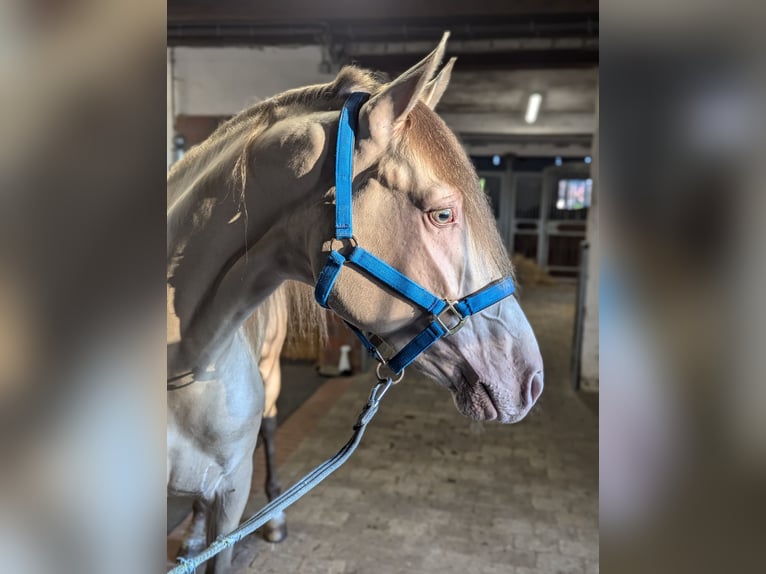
(294, 303)
(306, 318)
(256, 119)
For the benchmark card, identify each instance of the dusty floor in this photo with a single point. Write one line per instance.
(429, 491)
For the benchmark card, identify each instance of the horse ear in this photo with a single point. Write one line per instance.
(388, 109)
(435, 88)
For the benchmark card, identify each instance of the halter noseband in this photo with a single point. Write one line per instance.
(447, 317)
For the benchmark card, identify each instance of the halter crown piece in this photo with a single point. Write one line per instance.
(447, 317)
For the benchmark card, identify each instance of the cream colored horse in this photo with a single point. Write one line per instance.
(233, 240)
(293, 306)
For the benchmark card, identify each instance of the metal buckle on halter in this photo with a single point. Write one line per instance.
(460, 318)
(376, 354)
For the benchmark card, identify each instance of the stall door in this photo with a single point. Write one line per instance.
(527, 225)
(567, 200)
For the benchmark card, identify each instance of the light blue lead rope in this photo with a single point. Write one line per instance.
(295, 492)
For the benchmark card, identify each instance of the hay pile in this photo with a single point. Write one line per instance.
(528, 272)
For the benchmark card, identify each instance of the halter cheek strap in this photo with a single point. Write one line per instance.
(447, 317)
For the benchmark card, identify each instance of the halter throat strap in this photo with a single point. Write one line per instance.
(446, 316)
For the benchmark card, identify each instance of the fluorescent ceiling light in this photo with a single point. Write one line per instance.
(533, 106)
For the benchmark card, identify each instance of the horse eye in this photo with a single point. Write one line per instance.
(442, 216)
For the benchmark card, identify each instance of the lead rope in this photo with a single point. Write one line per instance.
(295, 492)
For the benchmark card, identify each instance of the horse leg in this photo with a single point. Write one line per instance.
(226, 512)
(275, 530)
(194, 539)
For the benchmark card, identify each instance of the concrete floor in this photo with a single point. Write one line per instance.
(430, 491)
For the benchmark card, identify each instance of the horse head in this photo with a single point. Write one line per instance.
(418, 206)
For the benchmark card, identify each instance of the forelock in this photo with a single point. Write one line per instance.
(427, 140)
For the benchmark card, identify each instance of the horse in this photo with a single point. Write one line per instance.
(292, 307)
(255, 206)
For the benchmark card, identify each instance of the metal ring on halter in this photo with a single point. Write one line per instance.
(382, 378)
(353, 241)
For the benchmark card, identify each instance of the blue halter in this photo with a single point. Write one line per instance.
(447, 317)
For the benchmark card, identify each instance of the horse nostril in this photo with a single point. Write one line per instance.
(535, 388)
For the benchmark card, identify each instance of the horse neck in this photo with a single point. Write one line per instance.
(229, 248)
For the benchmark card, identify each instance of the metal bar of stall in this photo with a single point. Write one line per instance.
(579, 316)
